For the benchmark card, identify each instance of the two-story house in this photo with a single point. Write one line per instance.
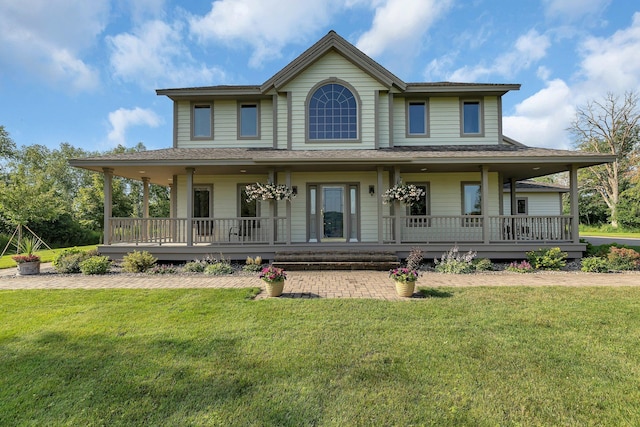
(338, 130)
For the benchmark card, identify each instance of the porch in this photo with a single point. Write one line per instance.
(496, 237)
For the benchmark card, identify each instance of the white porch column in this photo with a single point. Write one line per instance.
(272, 210)
(145, 206)
(173, 206)
(396, 208)
(145, 197)
(189, 230)
(108, 203)
(288, 184)
(379, 172)
(484, 189)
(575, 215)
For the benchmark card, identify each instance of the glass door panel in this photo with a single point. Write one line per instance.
(333, 213)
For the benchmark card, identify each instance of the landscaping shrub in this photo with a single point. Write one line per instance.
(623, 259)
(454, 262)
(95, 265)
(252, 265)
(218, 269)
(594, 264)
(163, 269)
(68, 261)
(138, 262)
(194, 266)
(520, 267)
(547, 259)
(483, 264)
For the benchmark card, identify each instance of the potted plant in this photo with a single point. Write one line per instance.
(28, 263)
(405, 279)
(273, 278)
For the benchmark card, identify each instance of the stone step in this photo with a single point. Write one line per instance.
(336, 265)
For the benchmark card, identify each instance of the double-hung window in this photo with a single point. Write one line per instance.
(417, 212)
(248, 120)
(202, 121)
(472, 203)
(417, 118)
(472, 117)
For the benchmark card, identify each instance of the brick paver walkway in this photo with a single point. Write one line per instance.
(313, 284)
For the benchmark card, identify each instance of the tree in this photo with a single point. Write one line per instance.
(609, 126)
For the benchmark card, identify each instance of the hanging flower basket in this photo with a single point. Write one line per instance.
(268, 191)
(407, 194)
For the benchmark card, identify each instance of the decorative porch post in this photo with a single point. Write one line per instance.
(173, 206)
(575, 215)
(288, 204)
(512, 195)
(484, 197)
(189, 229)
(396, 207)
(272, 211)
(108, 203)
(379, 171)
(145, 207)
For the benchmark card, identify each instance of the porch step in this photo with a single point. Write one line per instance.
(336, 260)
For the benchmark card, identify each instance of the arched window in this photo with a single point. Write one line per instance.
(333, 113)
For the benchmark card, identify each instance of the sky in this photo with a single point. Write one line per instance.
(85, 72)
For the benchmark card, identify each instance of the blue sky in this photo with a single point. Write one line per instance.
(85, 72)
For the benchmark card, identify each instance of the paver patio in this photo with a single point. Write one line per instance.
(313, 284)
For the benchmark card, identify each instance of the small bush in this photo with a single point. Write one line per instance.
(623, 259)
(594, 264)
(95, 265)
(252, 268)
(453, 262)
(138, 262)
(547, 259)
(68, 261)
(194, 266)
(483, 264)
(218, 269)
(162, 269)
(520, 267)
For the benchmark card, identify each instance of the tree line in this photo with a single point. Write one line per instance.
(64, 205)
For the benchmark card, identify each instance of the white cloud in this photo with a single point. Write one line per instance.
(264, 25)
(122, 119)
(156, 55)
(46, 38)
(528, 49)
(573, 9)
(400, 22)
(612, 64)
(542, 119)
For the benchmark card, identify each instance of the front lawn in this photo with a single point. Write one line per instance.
(46, 255)
(463, 356)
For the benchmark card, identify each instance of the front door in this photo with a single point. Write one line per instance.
(333, 212)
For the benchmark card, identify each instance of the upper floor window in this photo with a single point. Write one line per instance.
(248, 120)
(333, 113)
(202, 121)
(471, 120)
(417, 121)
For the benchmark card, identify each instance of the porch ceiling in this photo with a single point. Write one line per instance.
(512, 161)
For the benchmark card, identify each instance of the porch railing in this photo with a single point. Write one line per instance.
(203, 230)
(466, 228)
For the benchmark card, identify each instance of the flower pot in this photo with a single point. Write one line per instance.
(405, 289)
(274, 289)
(29, 268)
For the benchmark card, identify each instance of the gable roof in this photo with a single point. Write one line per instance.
(332, 41)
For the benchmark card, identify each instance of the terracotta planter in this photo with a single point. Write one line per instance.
(405, 289)
(274, 289)
(29, 268)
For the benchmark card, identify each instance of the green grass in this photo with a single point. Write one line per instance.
(464, 356)
(608, 231)
(45, 256)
